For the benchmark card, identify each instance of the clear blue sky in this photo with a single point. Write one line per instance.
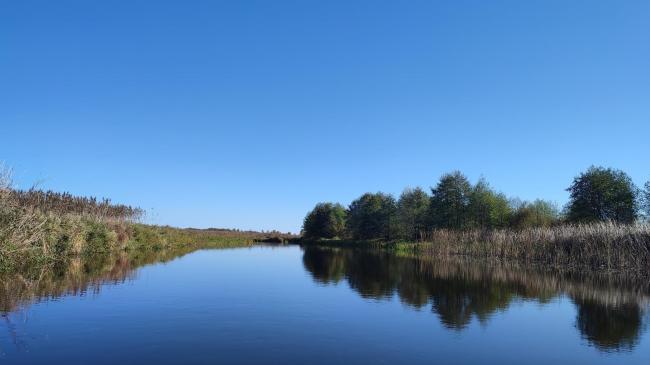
(246, 113)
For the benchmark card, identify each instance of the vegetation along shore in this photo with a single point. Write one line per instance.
(43, 227)
(604, 225)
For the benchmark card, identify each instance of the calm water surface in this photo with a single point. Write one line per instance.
(291, 305)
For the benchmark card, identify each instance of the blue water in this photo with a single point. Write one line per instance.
(287, 305)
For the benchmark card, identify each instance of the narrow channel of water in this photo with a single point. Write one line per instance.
(292, 305)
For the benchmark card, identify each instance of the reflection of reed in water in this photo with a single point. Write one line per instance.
(77, 276)
(534, 282)
(610, 306)
(12, 333)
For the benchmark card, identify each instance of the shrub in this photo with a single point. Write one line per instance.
(99, 238)
(539, 213)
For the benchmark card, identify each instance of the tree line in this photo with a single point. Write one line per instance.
(596, 195)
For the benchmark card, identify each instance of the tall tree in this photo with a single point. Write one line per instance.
(601, 194)
(412, 210)
(326, 220)
(450, 202)
(487, 208)
(372, 216)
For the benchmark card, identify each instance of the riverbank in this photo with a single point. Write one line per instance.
(71, 237)
(40, 228)
(600, 246)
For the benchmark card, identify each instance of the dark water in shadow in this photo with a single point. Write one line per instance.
(291, 305)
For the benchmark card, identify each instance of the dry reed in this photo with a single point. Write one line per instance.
(600, 245)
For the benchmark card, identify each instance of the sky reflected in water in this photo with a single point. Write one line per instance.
(295, 305)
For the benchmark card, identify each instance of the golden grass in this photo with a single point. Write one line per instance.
(599, 245)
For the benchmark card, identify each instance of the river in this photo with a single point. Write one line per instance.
(311, 305)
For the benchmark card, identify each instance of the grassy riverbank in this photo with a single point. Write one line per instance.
(605, 246)
(60, 238)
(40, 228)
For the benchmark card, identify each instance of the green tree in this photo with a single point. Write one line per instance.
(539, 213)
(372, 216)
(412, 211)
(601, 194)
(450, 202)
(487, 208)
(646, 200)
(326, 220)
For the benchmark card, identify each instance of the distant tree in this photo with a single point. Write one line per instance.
(645, 202)
(372, 216)
(601, 194)
(450, 202)
(539, 213)
(326, 220)
(487, 208)
(412, 211)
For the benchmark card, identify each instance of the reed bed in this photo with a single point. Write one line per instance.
(599, 245)
(40, 228)
(65, 203)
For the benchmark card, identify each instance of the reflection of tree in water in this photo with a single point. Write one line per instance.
(324, 266)
(609, 327)
(456, 302)
(373, 276)
(608, 316)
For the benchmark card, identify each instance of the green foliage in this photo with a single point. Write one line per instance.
(449, 207)
(487, 208)
(539, 213)
(455, 204)
(412, 213)
(372, 216)
(326, 220)
(99, 238)
(645, 202)
(601, 194)
(147, 237)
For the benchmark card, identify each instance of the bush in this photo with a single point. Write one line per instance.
(99, 238)
(539, 213)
